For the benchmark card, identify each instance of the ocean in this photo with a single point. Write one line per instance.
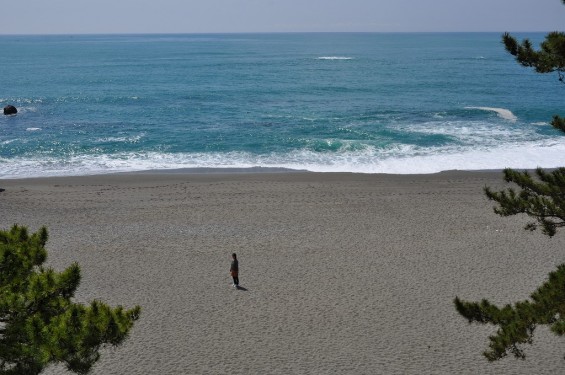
(326, 102)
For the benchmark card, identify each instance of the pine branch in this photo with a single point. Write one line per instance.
(558, 123)
(39, 324)
(517, 323)
(543, 199)
(549, 58)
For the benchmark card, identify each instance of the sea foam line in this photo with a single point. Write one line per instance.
(403, 159)
(502, 112)
(335, 58)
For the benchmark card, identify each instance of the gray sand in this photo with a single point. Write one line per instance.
(343, 273)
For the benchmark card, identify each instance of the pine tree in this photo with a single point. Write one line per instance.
(39, 324)
(542, 198)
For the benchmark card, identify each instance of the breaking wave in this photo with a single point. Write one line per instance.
(401, 159)
(501, 112)
(335, 58)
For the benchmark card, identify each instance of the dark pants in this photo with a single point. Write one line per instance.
(236, 280)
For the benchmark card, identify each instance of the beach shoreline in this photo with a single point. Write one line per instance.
(200, 171)
(343, 272)
(236, 171)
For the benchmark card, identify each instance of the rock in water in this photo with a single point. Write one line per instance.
(10, 110)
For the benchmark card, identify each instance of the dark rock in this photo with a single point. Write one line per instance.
(10, 110)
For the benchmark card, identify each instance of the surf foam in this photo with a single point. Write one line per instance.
(501, 112)
(335, 58)
(400, 159)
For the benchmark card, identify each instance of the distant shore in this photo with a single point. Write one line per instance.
(342, 273)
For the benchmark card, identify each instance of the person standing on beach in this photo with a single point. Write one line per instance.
(234, 270)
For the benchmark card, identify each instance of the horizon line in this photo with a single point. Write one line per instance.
(268, 32)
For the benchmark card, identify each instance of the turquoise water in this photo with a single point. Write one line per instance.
(372, 103)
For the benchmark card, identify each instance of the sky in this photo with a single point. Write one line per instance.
(236, 16)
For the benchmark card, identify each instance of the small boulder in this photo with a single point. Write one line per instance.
(10, 110)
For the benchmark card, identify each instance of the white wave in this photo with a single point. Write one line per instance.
(131, 139)
(483, 133)
(502, 112)
(335, 58)
(33, 129)
(400, 159)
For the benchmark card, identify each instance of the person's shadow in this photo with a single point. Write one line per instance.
(241, 288)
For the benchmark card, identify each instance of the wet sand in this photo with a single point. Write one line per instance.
(341, 273)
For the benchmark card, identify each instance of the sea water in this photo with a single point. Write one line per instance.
(329, 102)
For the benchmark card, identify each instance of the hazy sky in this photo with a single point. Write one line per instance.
(203, 16)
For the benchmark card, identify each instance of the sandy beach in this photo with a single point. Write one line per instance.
(341, 273)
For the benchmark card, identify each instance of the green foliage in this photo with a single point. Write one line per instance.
(542, 198)
(517, 323)
(548, 59)
(39, 324)
(558, 123)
